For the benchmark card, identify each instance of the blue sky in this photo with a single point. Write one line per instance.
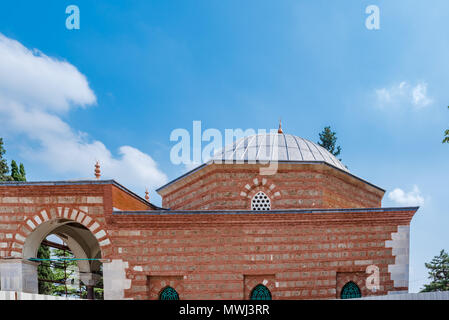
(141, 69)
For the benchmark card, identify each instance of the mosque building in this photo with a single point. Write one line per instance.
(271, 216)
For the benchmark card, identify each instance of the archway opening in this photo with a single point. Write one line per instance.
(69, 259)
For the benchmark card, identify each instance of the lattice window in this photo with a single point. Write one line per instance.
(169, 294)
(260, 292)
(350, 291)
(260, 201)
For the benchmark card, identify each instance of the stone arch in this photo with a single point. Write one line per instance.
(260, 184)
(84, 236)
(49, 219)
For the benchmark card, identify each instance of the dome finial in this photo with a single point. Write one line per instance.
(280, 127)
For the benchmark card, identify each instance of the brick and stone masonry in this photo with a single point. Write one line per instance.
(324, 229)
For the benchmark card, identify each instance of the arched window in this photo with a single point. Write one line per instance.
(260, 201)
(350, 291)
(168, 294)
(260, 292)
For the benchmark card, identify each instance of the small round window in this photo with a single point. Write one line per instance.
(260, 202)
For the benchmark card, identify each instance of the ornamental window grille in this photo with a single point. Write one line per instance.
(260, 292)
(169, 294)
(350, 291)
(260, 201)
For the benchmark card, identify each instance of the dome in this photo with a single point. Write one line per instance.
(276, 146)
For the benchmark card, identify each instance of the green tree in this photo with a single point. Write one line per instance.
(22, 172)
(446, 133)
(328, 140)
(15, 175)
(4, 169)
(438, 273)
(44, 271)
(62, 275)
(17, 172)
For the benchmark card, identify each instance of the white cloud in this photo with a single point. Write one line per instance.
(411, 198)
(34, 91)
(404, 93)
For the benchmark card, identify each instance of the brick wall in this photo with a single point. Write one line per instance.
(300, 256)
(303, 255)
(294, 186)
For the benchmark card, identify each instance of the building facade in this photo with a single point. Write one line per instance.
(271, 216)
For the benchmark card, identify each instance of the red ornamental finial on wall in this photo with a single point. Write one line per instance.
(97, 170)
(147, 195)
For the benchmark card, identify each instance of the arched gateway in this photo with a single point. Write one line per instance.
(80, 233)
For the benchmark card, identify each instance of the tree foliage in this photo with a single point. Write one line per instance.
(4, 169)
(17, 172)
(328, 140)
(62, 273)
(44, 271)
(438, 273)
(446, 135)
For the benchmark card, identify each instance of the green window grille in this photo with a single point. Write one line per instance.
(350, 291)
(260, 292)
(169, 294)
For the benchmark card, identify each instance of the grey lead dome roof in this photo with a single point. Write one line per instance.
(276, 146)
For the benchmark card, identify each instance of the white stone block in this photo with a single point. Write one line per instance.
(105, 243)
(94, 226)
(73, 215)
(86, 221)
(44, 215)
(80, 217)
(31, 224)
(38, 220)
(20, 237)
(100, 234)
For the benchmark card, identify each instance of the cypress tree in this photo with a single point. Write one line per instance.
(22, 172)
(328, 140)
(4, 169)
(44, 271)
(15, 174)
(438, 273)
